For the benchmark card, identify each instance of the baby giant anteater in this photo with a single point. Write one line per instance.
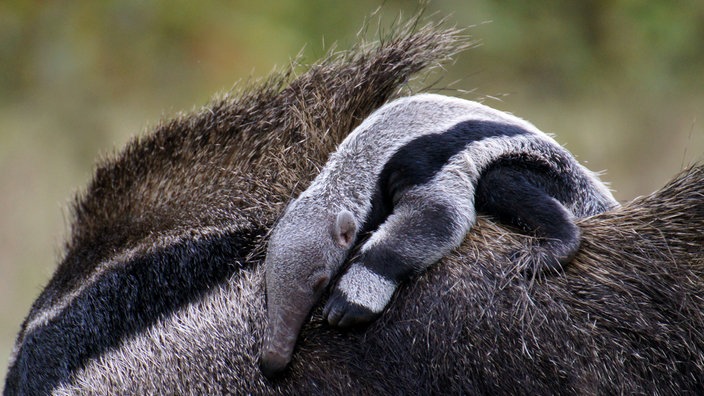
(412, 174)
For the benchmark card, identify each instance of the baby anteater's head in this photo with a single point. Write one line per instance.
(306, 249)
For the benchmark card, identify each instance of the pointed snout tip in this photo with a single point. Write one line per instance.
(273, 364)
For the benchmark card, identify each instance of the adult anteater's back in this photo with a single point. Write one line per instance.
(161, 288)
(166, 225)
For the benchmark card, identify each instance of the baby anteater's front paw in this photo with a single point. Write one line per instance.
(359, 297)
(343, 313)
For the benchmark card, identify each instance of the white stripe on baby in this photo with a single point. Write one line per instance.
(366, 288)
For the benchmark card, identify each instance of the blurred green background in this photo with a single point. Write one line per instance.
(621, 84)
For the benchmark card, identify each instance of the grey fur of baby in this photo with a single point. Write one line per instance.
(422, 158)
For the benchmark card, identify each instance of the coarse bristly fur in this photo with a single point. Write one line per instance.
(161, 288)
(174, 215)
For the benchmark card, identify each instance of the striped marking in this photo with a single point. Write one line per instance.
(366, 288)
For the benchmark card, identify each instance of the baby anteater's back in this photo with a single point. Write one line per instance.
(408, 177)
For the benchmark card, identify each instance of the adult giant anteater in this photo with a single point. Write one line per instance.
(161, 290)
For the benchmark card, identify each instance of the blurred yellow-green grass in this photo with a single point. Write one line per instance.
(620, 83)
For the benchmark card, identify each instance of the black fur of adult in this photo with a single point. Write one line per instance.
(155, 294)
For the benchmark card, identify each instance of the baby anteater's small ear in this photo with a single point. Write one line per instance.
(345, 229)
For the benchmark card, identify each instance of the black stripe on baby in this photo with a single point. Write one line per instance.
(417, 162)
(431, 224)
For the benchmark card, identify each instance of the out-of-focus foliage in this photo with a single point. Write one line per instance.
(621, 83)
(569, 48)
